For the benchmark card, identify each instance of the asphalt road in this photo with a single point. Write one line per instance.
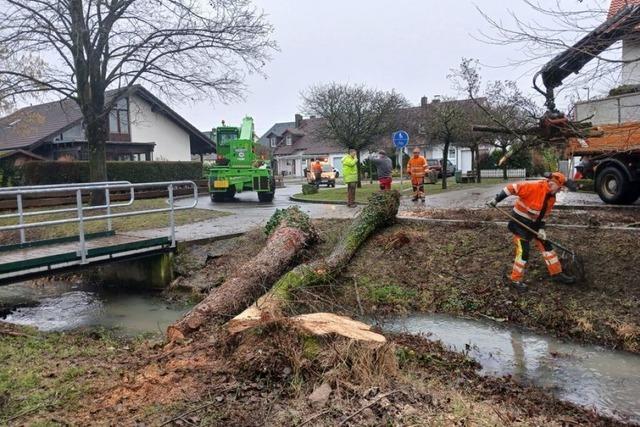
(247, 213)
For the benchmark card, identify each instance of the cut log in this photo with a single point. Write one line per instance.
(324, 324)
(380, 211)
(290, 230)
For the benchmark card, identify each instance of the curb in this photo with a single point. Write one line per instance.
(322, 202)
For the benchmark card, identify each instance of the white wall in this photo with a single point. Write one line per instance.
(631, 69)
(172, 142)
(617, 109)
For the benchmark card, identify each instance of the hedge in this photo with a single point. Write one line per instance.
(51, 172)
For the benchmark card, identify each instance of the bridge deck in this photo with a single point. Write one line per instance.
(64, 254)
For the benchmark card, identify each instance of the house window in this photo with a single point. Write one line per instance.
(288, 140)
(452, 152)
(272, 141)
(119, 121)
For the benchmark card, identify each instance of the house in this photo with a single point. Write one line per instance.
(296, 143)
(141, 127)
(630, 47)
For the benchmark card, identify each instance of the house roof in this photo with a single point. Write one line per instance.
(32, 126)
(8, 153)
(309, 140)
(617, 5)
(277, 130)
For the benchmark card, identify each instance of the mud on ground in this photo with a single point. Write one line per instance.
(276, 376)
(461, 269)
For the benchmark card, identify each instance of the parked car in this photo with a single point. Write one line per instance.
(328, 176)
(436, 165)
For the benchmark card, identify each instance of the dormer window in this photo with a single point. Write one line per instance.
(272, 141)
(288, 140)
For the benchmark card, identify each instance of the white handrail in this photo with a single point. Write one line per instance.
(59, 188)
(81, 219)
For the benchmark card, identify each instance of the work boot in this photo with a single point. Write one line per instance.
(415, 199)
(563, 278)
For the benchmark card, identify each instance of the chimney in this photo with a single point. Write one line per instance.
(424, 101)
(298, 120)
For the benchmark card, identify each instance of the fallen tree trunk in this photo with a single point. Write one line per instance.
(290, 230)
(380, 211)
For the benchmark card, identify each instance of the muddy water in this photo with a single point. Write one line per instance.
(591, 376)
(64, 306)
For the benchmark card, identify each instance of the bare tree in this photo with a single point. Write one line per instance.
(180, 48)
(355, 116)
(503, 105)
(447, 121)
(551, 27)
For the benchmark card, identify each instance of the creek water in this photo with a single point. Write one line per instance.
(591, 376)
(61, 306)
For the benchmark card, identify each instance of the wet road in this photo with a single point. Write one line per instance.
(247, 213)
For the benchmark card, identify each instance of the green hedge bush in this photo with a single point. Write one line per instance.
(309, 189)
(51, 172)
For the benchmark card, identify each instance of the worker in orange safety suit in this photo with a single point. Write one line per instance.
(535, 201)
(417, 169)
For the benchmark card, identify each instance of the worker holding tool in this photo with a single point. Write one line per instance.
(535, 201)
(417, 168)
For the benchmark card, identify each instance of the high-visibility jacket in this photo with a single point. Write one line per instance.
(316, 167)
(349, 169)
(532, 197)
(416, 167)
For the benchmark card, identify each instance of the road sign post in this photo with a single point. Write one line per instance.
(400, 141)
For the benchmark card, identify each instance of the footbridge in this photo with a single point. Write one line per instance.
(23, 255)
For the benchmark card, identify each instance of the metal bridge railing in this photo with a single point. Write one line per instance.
(80, 209)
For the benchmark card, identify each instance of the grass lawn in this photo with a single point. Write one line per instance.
(362, 194)
(123, 224)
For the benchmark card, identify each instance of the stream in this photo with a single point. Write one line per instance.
(590, 376)
(61, 306)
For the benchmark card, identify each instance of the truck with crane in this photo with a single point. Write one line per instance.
(605, 132)
(237, 167)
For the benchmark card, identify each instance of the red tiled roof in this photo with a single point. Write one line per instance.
(617, 5)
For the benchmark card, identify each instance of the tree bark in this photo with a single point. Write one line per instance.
(292, 231)
(504, 166)
(97, 131)
(445, 158)
(381, 211)
(478, 171)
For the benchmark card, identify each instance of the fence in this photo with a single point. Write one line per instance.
(498, 173)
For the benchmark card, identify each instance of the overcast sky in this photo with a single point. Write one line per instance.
(406, 45)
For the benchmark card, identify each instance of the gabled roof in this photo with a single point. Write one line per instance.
(617, 5)
(309, 140)
(275, 130)
(32, 126)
